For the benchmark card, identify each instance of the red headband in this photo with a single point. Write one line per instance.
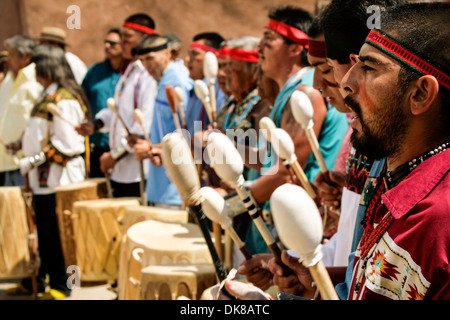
(388, 45)
(138, 27)
(292, 33)
(198, 45)
(224, 52)
(317, 49)
(243, 55)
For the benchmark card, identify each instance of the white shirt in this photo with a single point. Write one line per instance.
(17, 99)
(64, 137)
(135, 81)
(78, 67)
(337, 250)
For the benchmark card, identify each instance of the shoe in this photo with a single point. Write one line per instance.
(18, 290)
(53, 294)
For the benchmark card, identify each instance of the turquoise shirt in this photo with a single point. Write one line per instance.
(330, 139)
(160, 188)
(99, 85)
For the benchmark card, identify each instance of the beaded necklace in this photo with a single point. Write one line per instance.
(372, 234)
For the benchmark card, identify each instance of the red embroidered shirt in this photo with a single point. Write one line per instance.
(411, 260)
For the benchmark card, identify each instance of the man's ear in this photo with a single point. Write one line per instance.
(28, 57)
(424, 92)
(354, 58)
(296, 49)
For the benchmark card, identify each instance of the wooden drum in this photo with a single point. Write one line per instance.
(168, 282)
(134, 215)
(98, 235)
(158, 243)
(173, 243)
(14, 232)
(129, 267)
(89, 189)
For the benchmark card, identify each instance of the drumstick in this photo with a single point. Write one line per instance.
(108, 186)
(181, 170)
(213, 206)
(138, 116)
(112, 106)
(210, 69)
(300, 228)
(172, 100)
(53, 109)
(227, 163)
(179, 96)
(303, 112)
(201, 90)
(284, 147)
(267, 125)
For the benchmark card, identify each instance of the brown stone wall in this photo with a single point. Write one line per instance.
(185, 18)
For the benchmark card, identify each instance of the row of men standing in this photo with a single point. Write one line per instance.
(136, 77)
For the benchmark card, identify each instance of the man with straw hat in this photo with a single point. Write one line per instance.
(57, 37)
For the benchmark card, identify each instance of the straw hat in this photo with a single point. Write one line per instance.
(53, 34)
(3, 55)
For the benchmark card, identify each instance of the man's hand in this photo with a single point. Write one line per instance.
(299, 283)
(106, 162)
(13, 147)
(132, 139)
(330, 195)
(256, 270)
(85, 129)
(142, 150)
(156, 156)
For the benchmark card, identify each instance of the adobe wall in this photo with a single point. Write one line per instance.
(184, 18)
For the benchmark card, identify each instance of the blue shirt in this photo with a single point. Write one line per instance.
(194, 108)
(99, 85)
(160, 188)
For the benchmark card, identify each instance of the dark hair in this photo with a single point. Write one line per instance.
(141, 19)
(51, 64)
(315, 29)
(294, 17)
(114, 30)
(211, 39)
(344, 23)
(423, 28)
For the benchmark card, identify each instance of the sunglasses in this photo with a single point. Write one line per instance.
(112, 43)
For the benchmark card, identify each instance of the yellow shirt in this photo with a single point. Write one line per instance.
(17, 98)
